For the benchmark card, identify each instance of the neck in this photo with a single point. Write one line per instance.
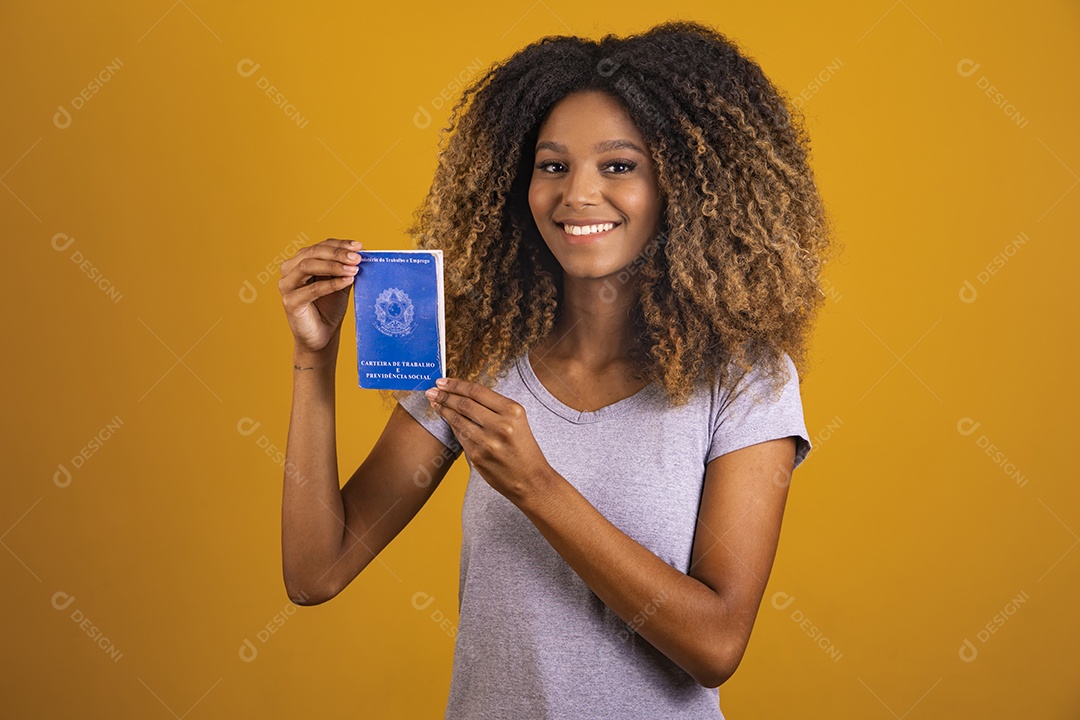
(593, 325)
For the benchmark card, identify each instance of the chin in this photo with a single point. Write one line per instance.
(583, 270)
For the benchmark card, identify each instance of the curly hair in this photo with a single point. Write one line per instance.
(733, 281)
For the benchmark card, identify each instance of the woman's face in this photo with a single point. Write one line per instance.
(593, 169)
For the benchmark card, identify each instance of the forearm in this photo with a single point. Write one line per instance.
(679, 615)
(312, 513)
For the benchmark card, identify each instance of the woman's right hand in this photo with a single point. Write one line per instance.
(314, 289)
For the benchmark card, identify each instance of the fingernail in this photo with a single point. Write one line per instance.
(441, 382)
(354, 243)
(432, 393)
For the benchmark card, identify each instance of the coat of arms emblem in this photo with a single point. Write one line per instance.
(394, 312)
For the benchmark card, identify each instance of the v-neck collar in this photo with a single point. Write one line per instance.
(528, 376)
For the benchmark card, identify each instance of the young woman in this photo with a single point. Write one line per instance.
(633, 240)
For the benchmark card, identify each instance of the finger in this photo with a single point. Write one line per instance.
(309, 267)
(475, 391)
(462, 426)
(329, 249)
(342, 251)
(312, 291)
(463, 405)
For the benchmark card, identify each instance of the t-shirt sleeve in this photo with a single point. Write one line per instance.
(416, 404)
(750, 415)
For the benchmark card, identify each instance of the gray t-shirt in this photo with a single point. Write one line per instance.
(533, 640)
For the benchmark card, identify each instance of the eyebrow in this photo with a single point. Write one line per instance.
(603, 146)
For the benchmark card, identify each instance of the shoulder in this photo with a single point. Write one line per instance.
(763, 402)
(766, 379)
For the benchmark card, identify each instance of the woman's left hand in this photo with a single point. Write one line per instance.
(495, 435)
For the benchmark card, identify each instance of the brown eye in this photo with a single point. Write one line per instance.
(622, 163)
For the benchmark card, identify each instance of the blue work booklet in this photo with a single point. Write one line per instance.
(400, 328)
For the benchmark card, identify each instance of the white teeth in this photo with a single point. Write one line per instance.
(588, 229)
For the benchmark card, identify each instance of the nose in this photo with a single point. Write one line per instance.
(580, 188)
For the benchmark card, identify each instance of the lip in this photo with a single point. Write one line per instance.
(587, 239)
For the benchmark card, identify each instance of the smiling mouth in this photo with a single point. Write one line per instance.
(587, 230)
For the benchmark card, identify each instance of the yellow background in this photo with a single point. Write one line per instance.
(181, 182)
